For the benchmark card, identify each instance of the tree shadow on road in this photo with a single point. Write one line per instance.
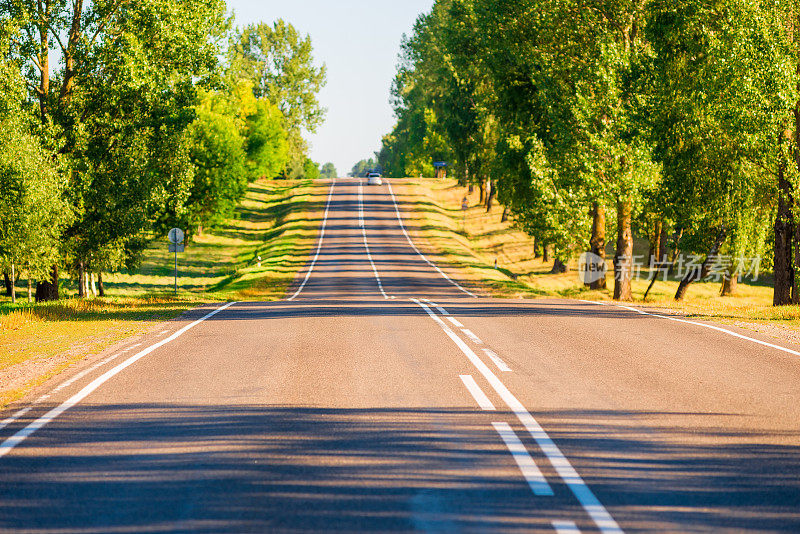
(258, 468)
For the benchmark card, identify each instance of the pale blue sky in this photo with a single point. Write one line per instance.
(359, 41)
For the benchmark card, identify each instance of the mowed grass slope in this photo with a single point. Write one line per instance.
(470, 241)
(278, 220)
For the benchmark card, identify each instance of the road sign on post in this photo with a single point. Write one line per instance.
(176, 245)
(175, 235)
(464, 208)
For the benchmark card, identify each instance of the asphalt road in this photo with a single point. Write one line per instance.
(384, 396)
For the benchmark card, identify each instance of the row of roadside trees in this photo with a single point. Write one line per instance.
(122, 119)
(679, 120)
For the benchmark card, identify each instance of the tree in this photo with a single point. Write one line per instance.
(713, 127)
(218, 156)
(311, 169)
(117, 108)
(361, 168)
(33, 212)
(280, 64)
(267, 141)
(329, 171)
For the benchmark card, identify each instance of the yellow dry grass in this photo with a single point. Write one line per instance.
(277, 221)
(472, 240)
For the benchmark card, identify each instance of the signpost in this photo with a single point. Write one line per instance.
(441, 169)
(176, 245)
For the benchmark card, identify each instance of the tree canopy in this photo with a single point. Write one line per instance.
(674, 118)
(122, 119)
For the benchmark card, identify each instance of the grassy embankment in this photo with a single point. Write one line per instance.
(475, 239)
(277, 220)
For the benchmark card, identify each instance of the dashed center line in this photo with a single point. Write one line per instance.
(497, 360)
(590, 503)
(455, 321)
(445, 313)
(524, 460)
(364, 233)
(480, 397)
(470, 334)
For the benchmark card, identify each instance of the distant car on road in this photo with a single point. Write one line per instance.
(374, 178)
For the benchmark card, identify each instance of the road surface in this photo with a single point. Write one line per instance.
(384, 396)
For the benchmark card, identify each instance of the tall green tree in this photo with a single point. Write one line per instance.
(33, 211)
(281, 65)
(328, 171)
(723, 75)
(117, 107)
(218, 156)
(267, 143)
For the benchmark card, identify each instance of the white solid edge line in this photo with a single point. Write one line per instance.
(477, 393)
(497, 360)
(565, 527)
(319, 245)
(712, 327)
(9, 444)
(590, 503)
(524, 460)
(421, 255)
(10, 419)
(363, 226)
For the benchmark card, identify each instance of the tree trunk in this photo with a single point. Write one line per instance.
(504, 216)
(598, 240)
(48, 290)
(624, 254)
(490, 196)
(655, 245)
(662, 243)
(73, 41)
(7, 281)
(698, 273)
(100, 287)
(30, 288)
(13, 283)
(546, 253)
(784, 287)
(81, 280)
(558, 267)
(730, 284)
(471, 188)
(664, 258)
(482, 190)
(92, 284)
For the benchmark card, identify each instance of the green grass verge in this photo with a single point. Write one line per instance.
(470, 242)
(277, 220)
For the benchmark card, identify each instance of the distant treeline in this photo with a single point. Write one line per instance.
(120, 120)
(675, 119)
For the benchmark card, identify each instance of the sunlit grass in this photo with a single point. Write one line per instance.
(472, 240)
(278, 221)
